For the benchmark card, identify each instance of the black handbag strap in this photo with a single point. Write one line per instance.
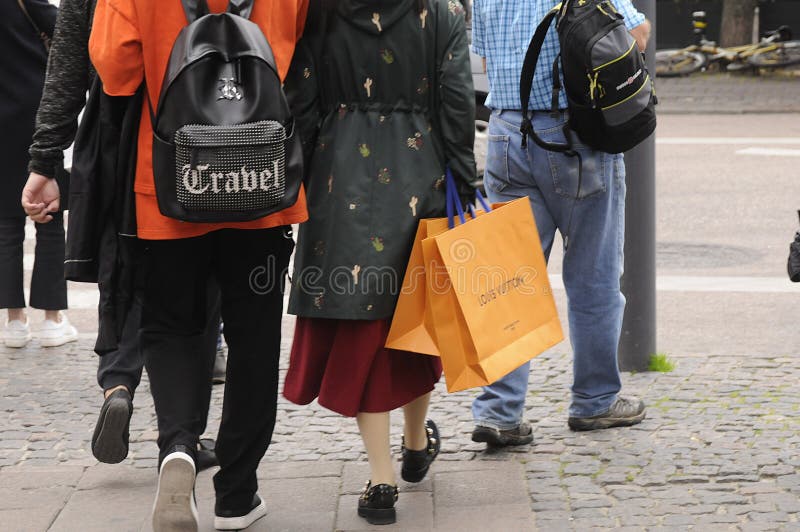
(42, 35)
(195, 9)
(526, 84)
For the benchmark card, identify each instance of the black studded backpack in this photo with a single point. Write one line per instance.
(224, 148)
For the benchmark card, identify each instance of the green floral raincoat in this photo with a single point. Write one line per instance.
(384, 101)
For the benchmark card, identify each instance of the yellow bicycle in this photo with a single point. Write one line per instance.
(774, 50)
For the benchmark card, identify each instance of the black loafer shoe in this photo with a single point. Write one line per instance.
(206, 455)
(624, 412)
(238, 520)
(520, 435)
(110, 438)
(417, 463)
(376, 504)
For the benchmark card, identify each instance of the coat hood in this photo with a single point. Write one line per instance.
(374, 16)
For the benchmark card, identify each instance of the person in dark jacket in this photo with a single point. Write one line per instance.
(383, 95)
(25, 28)
(70, 74)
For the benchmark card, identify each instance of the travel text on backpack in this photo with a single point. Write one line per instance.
(609, 91)
(224, 148)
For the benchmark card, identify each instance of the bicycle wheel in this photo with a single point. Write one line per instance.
(671, 63)
(785, 54)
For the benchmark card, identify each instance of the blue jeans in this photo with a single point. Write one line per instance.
(592, 261)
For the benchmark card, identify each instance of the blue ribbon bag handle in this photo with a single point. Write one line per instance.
(454, 202)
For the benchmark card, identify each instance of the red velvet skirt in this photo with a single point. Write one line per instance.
(345, 365)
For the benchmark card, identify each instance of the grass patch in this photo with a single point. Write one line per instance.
(661, 363)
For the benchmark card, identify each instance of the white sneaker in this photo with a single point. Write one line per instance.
(175, 509)
(53, 334)
(231, 521)
(17, 333)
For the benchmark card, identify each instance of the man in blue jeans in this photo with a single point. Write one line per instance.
(501, 32)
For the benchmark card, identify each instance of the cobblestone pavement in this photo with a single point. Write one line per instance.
(718, 450)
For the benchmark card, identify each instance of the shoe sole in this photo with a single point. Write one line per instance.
(378, 516)
(238, 523)
(490, 438)
(109, 445)
(56, 342)
(17, 342)
(582, 425)
(175, 509)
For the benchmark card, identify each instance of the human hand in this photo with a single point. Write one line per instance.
(642, 34)
(40, 197)
(466, 193)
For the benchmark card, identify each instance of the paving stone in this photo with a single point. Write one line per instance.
(492, 517)
(27, 520)
(120, 510)
(269, 470)
(38, 477)
(717, 518)
(771, 517)
(488, 488)
(33, 499)
(678, 520)
(786, 502)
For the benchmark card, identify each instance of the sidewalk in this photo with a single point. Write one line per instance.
(719, 449)
(729, 93)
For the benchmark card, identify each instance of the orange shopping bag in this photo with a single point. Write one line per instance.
(488, 295)
(412, 324)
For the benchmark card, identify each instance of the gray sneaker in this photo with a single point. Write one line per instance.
(624, 412)
(522, 434)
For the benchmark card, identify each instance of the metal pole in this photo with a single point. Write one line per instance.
(638, 340)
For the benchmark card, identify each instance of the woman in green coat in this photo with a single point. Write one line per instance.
(383, 97)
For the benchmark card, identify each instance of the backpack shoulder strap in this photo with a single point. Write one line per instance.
(194, 9)
(532, 57)
(526, 82)
(243, 8)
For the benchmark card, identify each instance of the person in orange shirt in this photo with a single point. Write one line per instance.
(131, 43)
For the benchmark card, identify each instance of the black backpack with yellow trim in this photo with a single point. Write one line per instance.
(609, 91)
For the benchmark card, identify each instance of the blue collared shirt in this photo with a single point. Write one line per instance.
(501, 33)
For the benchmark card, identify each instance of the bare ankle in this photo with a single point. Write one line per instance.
(383, 479)
(17, 314)
(416, 440)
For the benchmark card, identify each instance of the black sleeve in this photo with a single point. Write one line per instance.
(43, 14)
(456, 95)
(302, 91)
(64, 95)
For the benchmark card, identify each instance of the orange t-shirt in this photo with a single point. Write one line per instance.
(132, 40)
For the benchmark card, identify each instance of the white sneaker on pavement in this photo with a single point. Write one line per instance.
(175, 509)
(17, 333)
(53, 334)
